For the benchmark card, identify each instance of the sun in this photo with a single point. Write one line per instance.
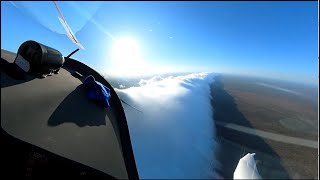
(126, 57)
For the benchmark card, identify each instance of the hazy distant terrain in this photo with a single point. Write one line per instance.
(274, 106)
(286, 110)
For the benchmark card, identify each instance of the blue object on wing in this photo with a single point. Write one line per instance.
(97, 91)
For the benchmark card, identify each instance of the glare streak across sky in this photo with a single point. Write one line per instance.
(271, 39)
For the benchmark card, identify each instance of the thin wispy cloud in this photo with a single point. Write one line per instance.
(279, 88)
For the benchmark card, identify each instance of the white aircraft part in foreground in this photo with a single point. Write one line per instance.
(246, 168)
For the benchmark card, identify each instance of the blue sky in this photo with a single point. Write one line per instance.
(272, 39)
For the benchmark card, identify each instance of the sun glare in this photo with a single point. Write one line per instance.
(126, 57)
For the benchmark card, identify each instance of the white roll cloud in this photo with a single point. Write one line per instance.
(174, 136)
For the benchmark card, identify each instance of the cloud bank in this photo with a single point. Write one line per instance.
(174, 136)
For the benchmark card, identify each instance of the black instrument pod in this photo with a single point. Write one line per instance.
(39, 59)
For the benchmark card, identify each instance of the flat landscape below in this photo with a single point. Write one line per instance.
(280, 108)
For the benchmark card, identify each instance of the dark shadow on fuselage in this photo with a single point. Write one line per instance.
(78, 109)
(226, 111)
(12, 75)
